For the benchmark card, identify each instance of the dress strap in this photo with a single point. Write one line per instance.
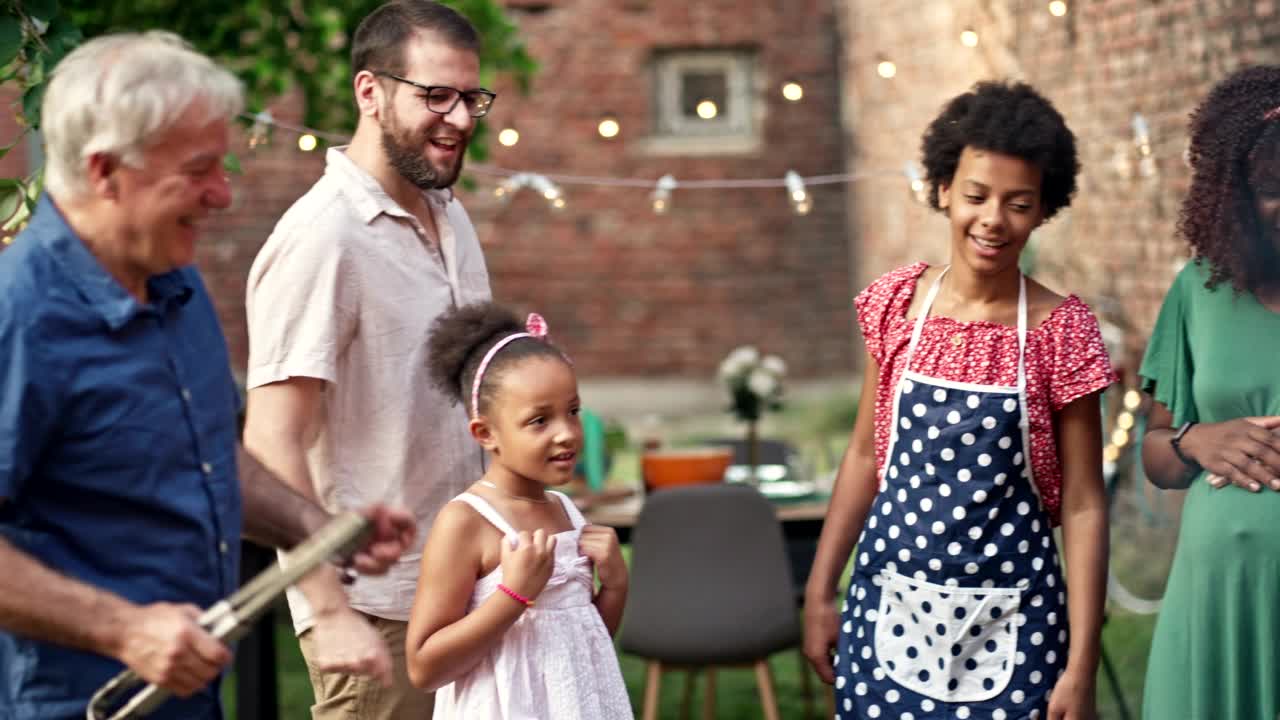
(489, 513)
(575, 515)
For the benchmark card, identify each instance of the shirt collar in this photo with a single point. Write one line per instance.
(104, 293)
(369, 197)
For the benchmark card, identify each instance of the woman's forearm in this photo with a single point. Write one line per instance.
(1085, 530)
(855, 489)
(1085, 535)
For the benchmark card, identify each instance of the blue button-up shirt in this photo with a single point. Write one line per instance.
(118, 432)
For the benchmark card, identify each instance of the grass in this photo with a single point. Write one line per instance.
(820, 430)
(1125, 638)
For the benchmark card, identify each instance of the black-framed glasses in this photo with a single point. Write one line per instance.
(442, 99)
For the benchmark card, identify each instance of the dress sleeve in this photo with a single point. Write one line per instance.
(875, 303)
(1167, 367)
(1081, 365)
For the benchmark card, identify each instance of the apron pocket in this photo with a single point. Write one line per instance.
(947, 643)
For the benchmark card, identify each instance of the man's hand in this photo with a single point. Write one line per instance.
(393, 532)
(344, 642)
(164, 644)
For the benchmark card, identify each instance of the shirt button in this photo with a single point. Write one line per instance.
(206, 468)
(223, 547)
(186, 394)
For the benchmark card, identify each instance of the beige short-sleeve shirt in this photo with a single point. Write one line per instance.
(345, 290)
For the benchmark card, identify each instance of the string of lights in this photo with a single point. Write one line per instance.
(550, 185)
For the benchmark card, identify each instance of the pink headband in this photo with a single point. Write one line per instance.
(1271, 114)
(535, 327)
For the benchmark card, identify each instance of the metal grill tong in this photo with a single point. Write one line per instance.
(231, 618)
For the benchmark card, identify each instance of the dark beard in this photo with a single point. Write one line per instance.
(412, 166)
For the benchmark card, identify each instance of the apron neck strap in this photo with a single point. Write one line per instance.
(1022, 322)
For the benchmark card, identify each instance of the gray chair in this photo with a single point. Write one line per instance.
(710, 587)
(800, 551)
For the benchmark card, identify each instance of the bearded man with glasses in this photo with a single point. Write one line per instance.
(340, 300)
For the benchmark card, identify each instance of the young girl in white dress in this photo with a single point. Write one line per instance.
(507, 621)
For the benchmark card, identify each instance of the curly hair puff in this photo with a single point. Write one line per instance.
(1009, 118)
(459, 340)
(1230, 131)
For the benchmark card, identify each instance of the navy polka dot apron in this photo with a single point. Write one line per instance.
(956, 607)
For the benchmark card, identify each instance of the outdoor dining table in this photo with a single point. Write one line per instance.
(801, 518)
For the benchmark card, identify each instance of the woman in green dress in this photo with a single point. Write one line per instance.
(1213, 369)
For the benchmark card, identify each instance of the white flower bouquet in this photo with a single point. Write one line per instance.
(754, 382)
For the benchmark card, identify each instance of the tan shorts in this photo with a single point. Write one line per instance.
(348, 697)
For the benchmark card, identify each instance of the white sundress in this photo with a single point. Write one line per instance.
(557, 662)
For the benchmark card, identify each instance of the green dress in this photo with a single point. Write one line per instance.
(1215, 356)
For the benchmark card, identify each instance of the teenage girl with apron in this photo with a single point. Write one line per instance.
(979, 429)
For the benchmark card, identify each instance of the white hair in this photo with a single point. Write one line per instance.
(114, 93)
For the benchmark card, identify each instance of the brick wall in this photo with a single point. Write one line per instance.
(1102, 62)
(631, 293)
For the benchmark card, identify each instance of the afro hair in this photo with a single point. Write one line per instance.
(1008, 118)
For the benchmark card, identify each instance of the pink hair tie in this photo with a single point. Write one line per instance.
(535, 327)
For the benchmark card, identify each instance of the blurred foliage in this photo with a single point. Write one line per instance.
(274, 46)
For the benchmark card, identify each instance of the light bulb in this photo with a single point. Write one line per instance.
(260, 134)
(801, 203)
(307, 143)
(792, 91)
(608, 127)
(887, 69)
(662, 194)
(1132, 399)
(509, 136)
(1057, 8)
(707, 110)
(969, 38)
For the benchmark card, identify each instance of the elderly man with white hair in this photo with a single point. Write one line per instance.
(123, 487)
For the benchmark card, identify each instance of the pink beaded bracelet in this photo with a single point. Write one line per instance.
(517, 596)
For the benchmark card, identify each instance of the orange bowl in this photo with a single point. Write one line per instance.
(684, 466)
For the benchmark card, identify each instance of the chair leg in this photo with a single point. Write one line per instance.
(653, 678)
(709, 699)
(806, 684)
(764, 681)
(686, 702)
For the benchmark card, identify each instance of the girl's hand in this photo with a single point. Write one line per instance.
(1244, 452)
(1073, 698)
(821, 632)
(527, 566)
(601, 545)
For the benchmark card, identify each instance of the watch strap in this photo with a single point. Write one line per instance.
(1176, 443)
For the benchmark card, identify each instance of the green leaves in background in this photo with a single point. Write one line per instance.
(274, 46)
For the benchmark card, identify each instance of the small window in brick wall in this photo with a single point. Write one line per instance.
(705, 101)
